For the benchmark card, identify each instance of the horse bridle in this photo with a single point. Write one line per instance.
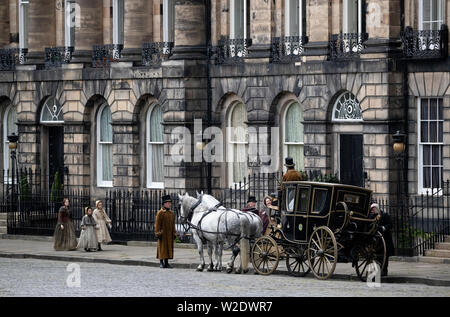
(191, 210)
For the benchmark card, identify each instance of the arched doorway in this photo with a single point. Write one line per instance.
(52, 142)
(348, 139)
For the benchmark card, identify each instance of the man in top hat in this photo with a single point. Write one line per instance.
(385, 226)
(291, 174)
(165, 232)
(251, 207)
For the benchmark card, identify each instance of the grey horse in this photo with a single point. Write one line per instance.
(215, 225)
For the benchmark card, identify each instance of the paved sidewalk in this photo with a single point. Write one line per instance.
(187, 257)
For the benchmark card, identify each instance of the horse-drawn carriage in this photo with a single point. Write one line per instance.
(319, 225)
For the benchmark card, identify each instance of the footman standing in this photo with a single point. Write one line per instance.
(165, 232)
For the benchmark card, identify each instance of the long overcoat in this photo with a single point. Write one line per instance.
(165, 232)
(290, 176)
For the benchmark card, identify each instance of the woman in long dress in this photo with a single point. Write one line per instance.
(64, 236)
(102, 219)
(88, 237)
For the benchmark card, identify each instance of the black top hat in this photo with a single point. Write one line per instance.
(166, 198)
(289, 162)
(251, 199)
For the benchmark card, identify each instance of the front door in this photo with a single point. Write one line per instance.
(56, 153)
(351, 159)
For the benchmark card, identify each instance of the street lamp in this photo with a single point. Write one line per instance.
(399, 148)
(12, 144)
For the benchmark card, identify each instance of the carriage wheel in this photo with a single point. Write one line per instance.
(374, 252)
(297, 262)
(322, 252)
(265, 255)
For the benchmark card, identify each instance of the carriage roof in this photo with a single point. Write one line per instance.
(323, 198)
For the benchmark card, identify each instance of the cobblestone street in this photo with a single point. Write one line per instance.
(29, 277)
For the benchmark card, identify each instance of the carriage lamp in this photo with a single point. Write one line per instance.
(13, 139)
(399, 142)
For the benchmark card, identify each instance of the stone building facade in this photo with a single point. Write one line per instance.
(338, 77)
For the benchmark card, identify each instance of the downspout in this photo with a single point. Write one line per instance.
(208, 84)
(405, 107)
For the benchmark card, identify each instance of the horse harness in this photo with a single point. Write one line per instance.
(210, 210)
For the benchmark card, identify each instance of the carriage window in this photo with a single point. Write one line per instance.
(304, 200)
(290, 199)
(320, 201)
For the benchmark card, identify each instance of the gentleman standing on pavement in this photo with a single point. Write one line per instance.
(165, 232)
(385, 226)
(291, 174)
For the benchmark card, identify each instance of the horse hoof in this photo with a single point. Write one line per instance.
(229, 270)
(210, 269)
(245, 271)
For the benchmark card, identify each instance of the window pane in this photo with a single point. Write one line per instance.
(352, 16)
(238, 119)
(12, 122)
(106, 127)
(107, 162)
(426, 155)
(436, 177)
(433, 108)
(426, 13)
(433, 131)
(436, 159)
(294, 125)
(157, 163)
(441, 131)
(320, 198)
(239, 19)
(426, 177)
(239, 163)
(424, 109)
(296, 152)
(304, 200)
(424, 132)
(156, 128)
(294, 17)
(440, 109)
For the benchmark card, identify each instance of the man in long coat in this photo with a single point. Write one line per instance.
(165, 232)
(385, 229)
(291, 174)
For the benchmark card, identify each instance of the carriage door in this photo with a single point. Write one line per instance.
(351, 159)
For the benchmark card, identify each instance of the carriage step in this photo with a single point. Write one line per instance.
(443, 246)
(438, 253)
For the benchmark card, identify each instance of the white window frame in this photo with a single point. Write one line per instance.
(287, 17)
(283, 134)
(231, 143)
(345, 25)
(420, 144)
(6, 151)
(149, 162)
(346, 120)
(168, 21)
(54, 122)
(24, 6)
(100, 181)
(232, 19)
(421, 22)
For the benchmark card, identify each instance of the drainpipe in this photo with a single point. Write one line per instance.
(405, 106)
(208, 84)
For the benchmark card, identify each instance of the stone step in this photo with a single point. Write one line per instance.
(433, 260)
(443, 246)
(3, 230)
(3, 223)
(3, 216)
(447, 239)
(438, 253)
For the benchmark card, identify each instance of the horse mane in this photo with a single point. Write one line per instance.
(210, 200)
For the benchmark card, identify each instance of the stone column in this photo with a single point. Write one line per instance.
(107, 22)
(190, 42)
(157, 21)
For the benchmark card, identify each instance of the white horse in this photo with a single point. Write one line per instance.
(213, 224)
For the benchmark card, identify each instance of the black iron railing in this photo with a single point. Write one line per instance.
(104, 55)
(421, 221)
(288, 48)
(154, 53)
(423, 44)
(346, 45)
(232, 51)
(9, 57)
(56, 56)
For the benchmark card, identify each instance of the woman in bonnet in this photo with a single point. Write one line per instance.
(102, 219)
